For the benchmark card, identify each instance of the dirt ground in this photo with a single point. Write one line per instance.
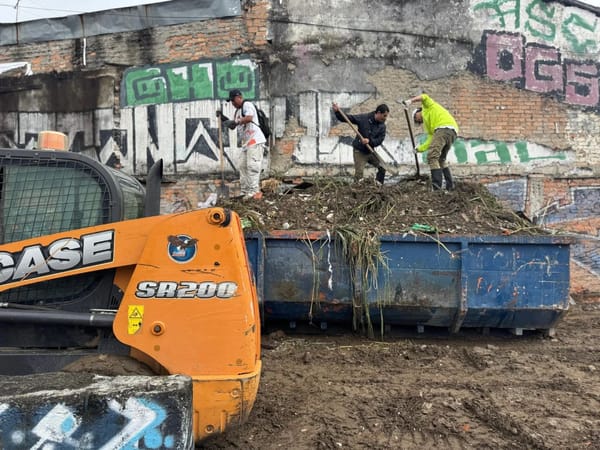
(430, 390)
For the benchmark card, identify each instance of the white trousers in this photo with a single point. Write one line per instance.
(250, 167)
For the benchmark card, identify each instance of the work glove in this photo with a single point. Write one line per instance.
(406, 102)
(231, 124)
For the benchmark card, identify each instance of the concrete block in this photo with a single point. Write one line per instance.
(86, 411)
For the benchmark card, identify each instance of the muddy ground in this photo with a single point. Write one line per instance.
(430, 390)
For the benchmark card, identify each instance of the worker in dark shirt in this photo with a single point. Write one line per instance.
(371, 127)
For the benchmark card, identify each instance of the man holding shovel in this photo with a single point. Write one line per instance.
(442, 131)
(370, 128)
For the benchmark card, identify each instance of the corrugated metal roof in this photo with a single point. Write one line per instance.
(118, 20)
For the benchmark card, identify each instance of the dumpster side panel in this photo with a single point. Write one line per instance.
(420, 285)
(305, 279)
(517, 285)
(496, 282)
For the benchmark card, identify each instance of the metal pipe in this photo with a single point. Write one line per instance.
(96, 320)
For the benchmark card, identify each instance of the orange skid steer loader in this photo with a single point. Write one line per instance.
(88, 266)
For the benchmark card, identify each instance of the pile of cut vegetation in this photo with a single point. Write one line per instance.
(321, 204)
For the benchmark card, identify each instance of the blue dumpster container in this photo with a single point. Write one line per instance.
(457, 281)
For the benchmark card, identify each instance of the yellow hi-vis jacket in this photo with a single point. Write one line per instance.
(434, 116)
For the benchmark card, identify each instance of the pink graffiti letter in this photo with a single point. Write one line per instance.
(582, 83)
(504, 56)
(543, 69)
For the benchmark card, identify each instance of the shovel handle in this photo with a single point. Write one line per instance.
(412, 139)
(410, 131)
(343, 114)
(221, 158)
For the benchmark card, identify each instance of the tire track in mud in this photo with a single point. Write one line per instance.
(487, 412)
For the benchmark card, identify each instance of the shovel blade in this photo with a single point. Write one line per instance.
(223, 190)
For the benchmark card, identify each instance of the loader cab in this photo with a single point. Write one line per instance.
(44, 192)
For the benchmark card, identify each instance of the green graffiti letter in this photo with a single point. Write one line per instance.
(190, 82)
(502, 8)
(145, 86)
(545, 28)
(500, 150)
(525, 157)
(236, 75)
(580, 47)
(460, 151)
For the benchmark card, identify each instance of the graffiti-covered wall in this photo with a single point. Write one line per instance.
(172, 108)
(519, 76)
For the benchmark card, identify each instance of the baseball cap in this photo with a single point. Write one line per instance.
(414, 114)
(234, 93)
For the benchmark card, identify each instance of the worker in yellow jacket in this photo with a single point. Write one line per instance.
(442, 131)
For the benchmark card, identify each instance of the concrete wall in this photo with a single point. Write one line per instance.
(521, 78)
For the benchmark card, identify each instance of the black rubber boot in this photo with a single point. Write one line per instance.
(436, 179)
(380, 175)
(448, 177)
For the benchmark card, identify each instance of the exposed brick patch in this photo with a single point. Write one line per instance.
(491, 110)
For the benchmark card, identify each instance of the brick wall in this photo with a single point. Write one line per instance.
(493, 110)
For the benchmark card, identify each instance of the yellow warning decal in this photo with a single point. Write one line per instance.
(135, 317)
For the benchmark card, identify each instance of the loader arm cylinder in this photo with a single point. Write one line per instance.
(58, 318)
